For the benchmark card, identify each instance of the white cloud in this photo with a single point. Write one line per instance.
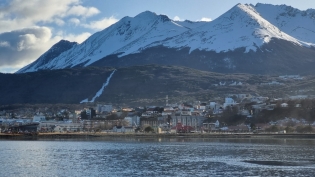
(4, 69)
(22, 40)
(205, 19)
(20, 47)
(17, 14)
(77, 38)
(176, 18)
(74, 21)
(83, 11)
(59, 22)
(101, 24)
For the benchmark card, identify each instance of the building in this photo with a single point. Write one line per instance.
(39, 118)
(210, 124)
(132, 120)
(186, 120)
(229, 102)
(31, 127)
(104, 108)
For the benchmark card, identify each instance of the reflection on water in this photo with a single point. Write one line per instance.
(158, 157)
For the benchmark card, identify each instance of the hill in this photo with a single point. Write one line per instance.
(140, 85)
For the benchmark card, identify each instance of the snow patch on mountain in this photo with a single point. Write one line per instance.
(99, 93)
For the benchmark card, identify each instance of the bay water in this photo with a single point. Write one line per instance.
(158, 157)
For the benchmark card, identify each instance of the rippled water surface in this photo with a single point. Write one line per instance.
(158, 157)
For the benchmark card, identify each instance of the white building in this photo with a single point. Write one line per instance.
(38, 118)
(229, 102)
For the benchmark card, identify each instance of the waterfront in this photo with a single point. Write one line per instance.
(152, 156)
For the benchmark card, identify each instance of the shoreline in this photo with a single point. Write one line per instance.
(95, 136)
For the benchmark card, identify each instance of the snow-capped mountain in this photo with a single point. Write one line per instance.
(299, 24)
(151, 38)
(127, 36)
(241, 26)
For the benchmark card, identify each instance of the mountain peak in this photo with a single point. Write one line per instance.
(48, 56)
(146, 15)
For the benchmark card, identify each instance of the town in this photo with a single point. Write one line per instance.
(236, 113)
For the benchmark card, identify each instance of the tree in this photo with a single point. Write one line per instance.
(289, 129)
(252, 126)
(84, 115)
(148, 129)
(273, 128)
(137, 129)
(306, 129)
(231, 117)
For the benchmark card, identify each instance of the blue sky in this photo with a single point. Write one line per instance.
(28, 28)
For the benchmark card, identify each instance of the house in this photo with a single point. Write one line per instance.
(244, 112)
(201, 106)
(165, 113)
(168, 110)
(213, 105)
(119, 129)
(39, 118)
(185, 112)
(210, 124)
(229, 102)
(151, 110)
(58, 129)
(298, 105)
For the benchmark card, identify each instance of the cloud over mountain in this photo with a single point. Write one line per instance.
(29, 28)
(20, 46)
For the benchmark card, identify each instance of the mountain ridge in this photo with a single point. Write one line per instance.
(242, 26)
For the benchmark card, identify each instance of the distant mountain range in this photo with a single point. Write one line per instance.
(260, 39)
